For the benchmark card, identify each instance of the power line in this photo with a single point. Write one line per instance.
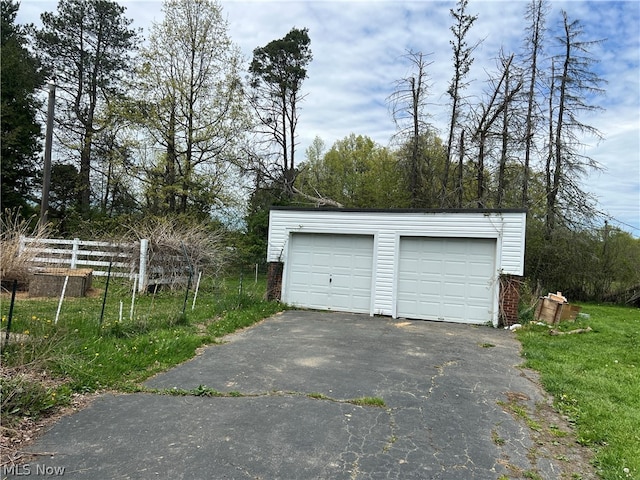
(608, 216)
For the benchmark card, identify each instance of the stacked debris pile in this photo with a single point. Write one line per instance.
(554, 308)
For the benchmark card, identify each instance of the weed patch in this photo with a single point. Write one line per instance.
(368, 401)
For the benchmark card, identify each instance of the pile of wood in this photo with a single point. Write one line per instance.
(554, 308)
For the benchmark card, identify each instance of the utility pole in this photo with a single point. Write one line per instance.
(46, 175)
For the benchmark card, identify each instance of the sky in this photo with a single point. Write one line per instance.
(359, 53)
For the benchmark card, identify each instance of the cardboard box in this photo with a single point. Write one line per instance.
(570, 312)
(551, 311)
(548, 310)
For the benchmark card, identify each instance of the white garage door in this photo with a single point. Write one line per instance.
(449, 279)
(331, 272)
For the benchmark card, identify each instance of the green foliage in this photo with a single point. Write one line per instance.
(357, 173)
(252, 243)
(243, 316)
(191, 103)
(594, 380)
(25, 396)
(584, 264)
(282, 63)
(420, 172)
(22, 76)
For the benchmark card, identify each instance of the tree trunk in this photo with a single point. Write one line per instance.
(461, 171)
(480, 173)
(505, 145)
(537, 14)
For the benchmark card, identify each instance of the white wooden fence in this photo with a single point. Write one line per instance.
(126, 259)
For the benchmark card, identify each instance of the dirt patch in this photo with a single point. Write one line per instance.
(16, 440)
(402, 324)
(553, 439)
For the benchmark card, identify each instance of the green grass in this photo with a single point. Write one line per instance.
(368, 402)
(595, 380)
(47, 363)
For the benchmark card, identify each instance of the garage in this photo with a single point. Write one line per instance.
(448, 279)
(330, 272)
(444, 265)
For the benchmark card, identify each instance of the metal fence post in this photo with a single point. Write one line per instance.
(14, 289)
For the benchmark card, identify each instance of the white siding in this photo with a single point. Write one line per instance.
(506, 227)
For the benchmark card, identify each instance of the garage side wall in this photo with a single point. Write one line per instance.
(389, 227)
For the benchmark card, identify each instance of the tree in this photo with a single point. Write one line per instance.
(62, 198)
(87, 43)
(113, 159)
(277, 72)
(496, 107)
(569, 92)
(191, 104)
(536, 13)
(21, 76)
(356, 173)
(431, 153)
(408, 104)
(462, 61)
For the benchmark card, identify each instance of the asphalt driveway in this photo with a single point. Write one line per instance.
(292, 380)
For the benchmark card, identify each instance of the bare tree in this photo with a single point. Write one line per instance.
(536, 13)
(509, 94)
(498, 103)
(408, 108)
(568, 98)
(462, 61)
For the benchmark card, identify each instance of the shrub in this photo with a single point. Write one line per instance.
(14, 262)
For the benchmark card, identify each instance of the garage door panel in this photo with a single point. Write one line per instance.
(428, 266)
(446, 279)
(327, 271)
(455, 268)
(476, 291)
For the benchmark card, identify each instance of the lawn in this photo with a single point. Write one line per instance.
(45, 364)
(595, 380)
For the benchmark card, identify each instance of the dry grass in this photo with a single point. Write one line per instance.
(174, 245)
(14, 262)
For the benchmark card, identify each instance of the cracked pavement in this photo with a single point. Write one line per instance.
(293, 376)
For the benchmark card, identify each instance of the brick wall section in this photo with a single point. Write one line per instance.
(274, 280)
(509, 299)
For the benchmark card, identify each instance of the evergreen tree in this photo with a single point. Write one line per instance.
(22, 76)
(277, 72)
(87, 43)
